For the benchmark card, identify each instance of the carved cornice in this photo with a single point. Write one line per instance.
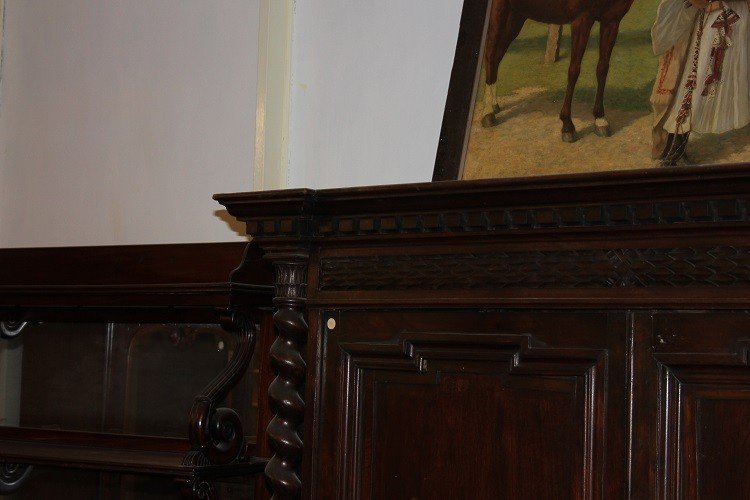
(722, 266)
(674, 199)
(541, 219)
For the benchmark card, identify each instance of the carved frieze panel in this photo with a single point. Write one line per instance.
(564, 269)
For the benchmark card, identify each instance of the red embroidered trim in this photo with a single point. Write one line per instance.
(723, 25)
(692, 81)
(663, 75)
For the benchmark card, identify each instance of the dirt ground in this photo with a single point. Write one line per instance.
(527, 141)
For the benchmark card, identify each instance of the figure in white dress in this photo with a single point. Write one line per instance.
(703, 84)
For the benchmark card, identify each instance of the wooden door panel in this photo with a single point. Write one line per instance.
(703, 401)
(445, 414)
(722, 466)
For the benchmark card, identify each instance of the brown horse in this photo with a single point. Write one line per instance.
(507, 17)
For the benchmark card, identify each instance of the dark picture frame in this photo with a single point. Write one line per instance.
(462, 111)
(465, 75)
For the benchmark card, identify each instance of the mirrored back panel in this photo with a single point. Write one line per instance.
(117, 377)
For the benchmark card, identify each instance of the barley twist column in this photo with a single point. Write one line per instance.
(287, 361)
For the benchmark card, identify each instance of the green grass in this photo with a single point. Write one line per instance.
(632, 71)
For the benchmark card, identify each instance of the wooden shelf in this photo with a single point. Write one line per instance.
(50, 283)
(113, 453)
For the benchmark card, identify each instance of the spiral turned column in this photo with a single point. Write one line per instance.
(285, 392)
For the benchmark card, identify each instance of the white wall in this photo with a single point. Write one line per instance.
(369, 82)
(120, 118)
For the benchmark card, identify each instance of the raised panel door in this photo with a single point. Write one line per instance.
(463, 404)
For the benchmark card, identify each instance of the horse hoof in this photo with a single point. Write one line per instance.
(496, 108)
(569, 137)
(490, 120)
(604, 131)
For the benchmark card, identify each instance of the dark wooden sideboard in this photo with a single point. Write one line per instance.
(114, 396)
(564, 337)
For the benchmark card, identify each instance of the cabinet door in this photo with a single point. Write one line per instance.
(462, 404)
(692, 405)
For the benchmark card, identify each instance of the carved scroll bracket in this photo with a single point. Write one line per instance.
(216, 435)
(287, 361)
(11, 329)
(199, 488)
(13, 476)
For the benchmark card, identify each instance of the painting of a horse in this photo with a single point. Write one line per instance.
(507, 18)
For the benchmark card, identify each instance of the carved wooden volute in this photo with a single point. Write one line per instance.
(12, 475)
(216, 434)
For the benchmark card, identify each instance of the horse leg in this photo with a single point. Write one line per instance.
(498, 19)
(607, 37)
(504, 27)
(580, 31)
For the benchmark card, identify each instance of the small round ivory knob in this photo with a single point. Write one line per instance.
(331, 324)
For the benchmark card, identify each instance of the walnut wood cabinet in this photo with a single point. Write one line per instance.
(565, 337)
(133, 371)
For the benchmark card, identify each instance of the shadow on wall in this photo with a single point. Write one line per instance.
(233, 224)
